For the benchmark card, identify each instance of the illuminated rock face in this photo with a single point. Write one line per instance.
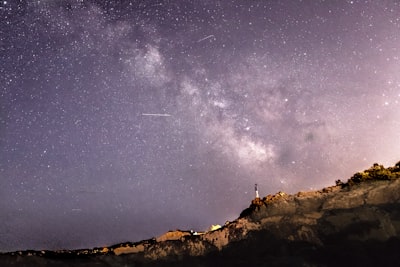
(339, 225)
(336, 225)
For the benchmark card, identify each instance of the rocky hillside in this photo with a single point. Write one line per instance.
(352, 223)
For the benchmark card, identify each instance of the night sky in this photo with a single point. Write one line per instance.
(121, 120)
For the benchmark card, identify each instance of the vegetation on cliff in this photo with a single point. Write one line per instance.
(375, 173)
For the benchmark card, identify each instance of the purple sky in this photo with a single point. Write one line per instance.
(120, 120)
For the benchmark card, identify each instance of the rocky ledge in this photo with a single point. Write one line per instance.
(353, 223)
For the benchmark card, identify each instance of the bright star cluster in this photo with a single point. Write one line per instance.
(120, 120)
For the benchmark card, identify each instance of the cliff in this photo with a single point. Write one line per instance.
(353, 223)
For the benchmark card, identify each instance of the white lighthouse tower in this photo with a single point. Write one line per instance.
(256, 188)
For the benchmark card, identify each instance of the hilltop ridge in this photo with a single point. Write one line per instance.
(352, 222)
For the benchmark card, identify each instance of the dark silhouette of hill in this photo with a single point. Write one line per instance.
(353, 223)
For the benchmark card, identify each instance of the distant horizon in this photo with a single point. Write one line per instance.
(374, 173)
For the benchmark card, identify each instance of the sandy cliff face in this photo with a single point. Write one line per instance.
(359, 223)
(303, 227)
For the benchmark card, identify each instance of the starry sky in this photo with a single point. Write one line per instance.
(121, 120)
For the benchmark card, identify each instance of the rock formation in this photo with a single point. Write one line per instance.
(353, 223)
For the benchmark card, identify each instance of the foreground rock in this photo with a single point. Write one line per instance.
(354, 223)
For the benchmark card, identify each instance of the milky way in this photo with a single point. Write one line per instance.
(120, 120)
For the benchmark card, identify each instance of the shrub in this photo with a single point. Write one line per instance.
(376, 172)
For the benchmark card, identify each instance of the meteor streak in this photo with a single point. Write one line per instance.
(156, 114)
(205, 38)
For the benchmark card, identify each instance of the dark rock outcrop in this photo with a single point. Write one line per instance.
(354, 223)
